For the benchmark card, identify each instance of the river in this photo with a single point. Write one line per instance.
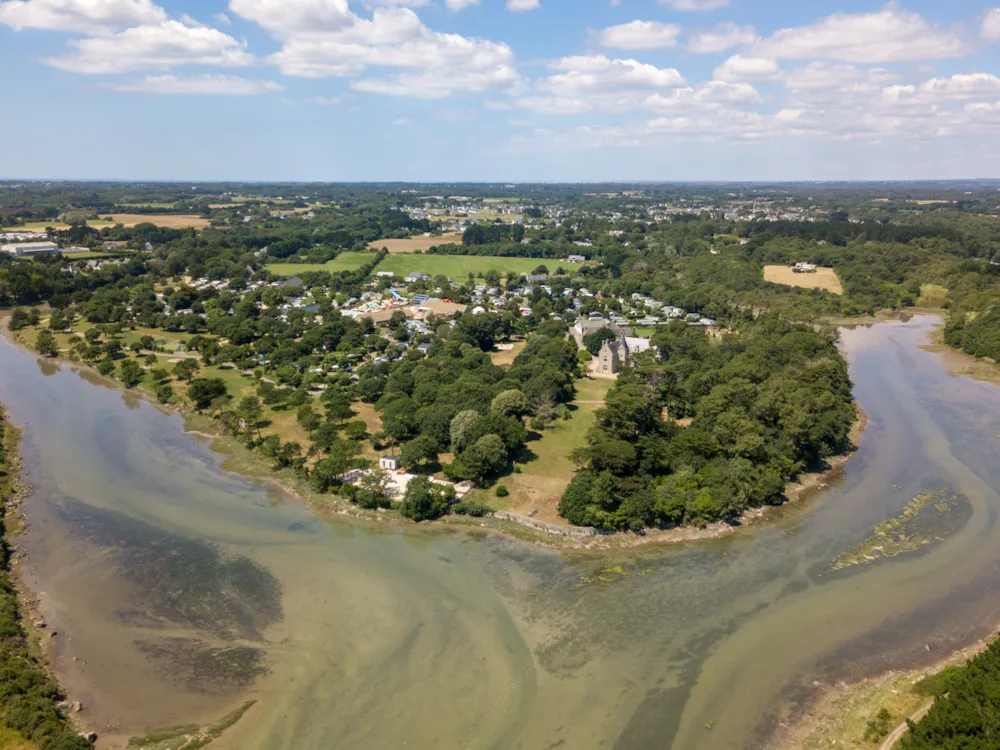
(179, 589)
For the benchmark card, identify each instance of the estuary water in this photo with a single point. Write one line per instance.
(179, 590)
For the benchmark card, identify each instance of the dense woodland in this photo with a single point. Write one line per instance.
(966, 712)
(760, 407)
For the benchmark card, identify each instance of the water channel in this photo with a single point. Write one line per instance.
(179, 589)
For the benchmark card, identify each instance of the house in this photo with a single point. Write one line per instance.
(20, 249)
(289, 283)
(385, 274)
(389, 463)
(577, 258)
(619, 352)
(804, 268)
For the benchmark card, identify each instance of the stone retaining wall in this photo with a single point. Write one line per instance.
(548, 528)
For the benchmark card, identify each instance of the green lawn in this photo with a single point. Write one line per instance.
(542, 480)
(458, 266)
(343, 262)
(403, 264)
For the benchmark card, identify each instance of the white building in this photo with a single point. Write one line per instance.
(30, 248)
(389, 463)
(577, 259)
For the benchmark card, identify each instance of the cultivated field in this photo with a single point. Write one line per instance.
(412, 244)
(167, 221)
(403, 264)
(823, 278)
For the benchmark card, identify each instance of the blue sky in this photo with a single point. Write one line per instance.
(499, 90)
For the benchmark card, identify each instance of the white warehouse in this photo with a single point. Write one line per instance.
(30, 248)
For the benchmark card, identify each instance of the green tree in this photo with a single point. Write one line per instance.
(512, 403)
(373, 490)
(422, 449)
(45, 344)
(130, 373)
(462, 425)
(203, 391)
(250, 413)
(425, 500)
(486, 458)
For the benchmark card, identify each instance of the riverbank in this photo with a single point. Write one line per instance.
(241, 460)
(840, 716)
(32, 706)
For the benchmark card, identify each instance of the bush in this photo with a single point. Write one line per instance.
(477, 510)
(502, 491)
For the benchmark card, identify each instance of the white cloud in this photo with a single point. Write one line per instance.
(160, 46)
(204, 84)
(440, 84)
(520, 123)
(399, 3)
(222, 18)
(584, 83)
(723, 36)
(329, 101)
(401, 122)
(712, 94)
(738, 68)
(457, 5)
(520, 6)
(991, 26)
(639, 35)
(822, 76)
(696, 5)
(889, 35)
(962, 86)
(81, 16)
(597, 74)
(323, 38)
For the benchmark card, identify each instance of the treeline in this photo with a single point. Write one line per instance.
(966, 712)
(757, 408)
(28, 695)
(485, 234)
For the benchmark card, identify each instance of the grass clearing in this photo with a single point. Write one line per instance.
(403, 264)
(823, 278)
(456, 266)
(11, 740)
(542, 480)
(505, 358)
(932, 295)
(344, 262)
(412, 244)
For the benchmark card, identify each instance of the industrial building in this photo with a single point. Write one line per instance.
(29, 248)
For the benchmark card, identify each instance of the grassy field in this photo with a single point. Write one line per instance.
(454, 266)
(932, 295)
(504, 358)
(823, 278)
(343, 262)
(412, 244)
(542, 480)
(11, 740)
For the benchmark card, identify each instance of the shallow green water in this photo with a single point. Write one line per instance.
(180, 589)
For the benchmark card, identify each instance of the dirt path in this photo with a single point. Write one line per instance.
(899, 731)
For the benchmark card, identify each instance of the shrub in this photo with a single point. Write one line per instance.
(502, 491)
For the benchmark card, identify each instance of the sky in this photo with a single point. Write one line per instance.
(499, 90)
